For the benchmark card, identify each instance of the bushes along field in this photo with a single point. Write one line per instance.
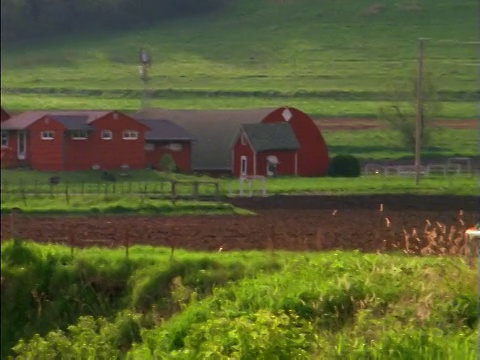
(236, 305)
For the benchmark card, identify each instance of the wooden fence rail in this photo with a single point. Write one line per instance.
(167, 189)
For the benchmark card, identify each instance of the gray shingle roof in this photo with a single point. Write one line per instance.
(73, 122)
(165, 130)
(214, 131)
(277, 136)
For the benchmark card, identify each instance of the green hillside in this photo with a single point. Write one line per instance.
(331, 57)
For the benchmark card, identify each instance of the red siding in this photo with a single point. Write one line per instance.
(313, 152)
(108, 154)
(45, 154)
(182, 158)
(4, 115)
(240, 150)
(286, 165)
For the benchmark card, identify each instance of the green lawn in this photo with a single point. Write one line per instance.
(328, 58)
(236, 305)
(386, 144)
(82, 185)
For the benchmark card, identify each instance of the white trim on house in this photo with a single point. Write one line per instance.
(243, 169)
(22, 153)
(129, 135)
(46, 135)
(106, 135)
(79, 135)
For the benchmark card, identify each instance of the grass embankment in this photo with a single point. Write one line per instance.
(124, 205)
(238, 305)
(328, 58)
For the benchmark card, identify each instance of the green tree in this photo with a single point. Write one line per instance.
(167, 163)
(400, 113)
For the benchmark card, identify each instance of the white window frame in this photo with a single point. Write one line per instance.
(105, 132)
(243, 165)
(130, 135)
(5, 138)
(47, 135)
(79, 135)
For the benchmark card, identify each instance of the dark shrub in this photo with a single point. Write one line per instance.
(108, 176)
(344, 166)
(167, 163)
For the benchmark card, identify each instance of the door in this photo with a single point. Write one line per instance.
(21, 145)
(243, 166)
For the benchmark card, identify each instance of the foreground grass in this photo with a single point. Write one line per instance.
(246, 56)
(255, 305)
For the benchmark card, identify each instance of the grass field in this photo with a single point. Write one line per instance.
(330, 58)
(85, 188)
(255, 305)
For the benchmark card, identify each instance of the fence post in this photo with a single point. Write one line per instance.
(173, 190)
(24, 196)
(67, 197)
(82, 191)
(217, 191)
(72, 241)
(195, 190)
(127, 242)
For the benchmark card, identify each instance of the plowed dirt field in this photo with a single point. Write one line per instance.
(293, 223)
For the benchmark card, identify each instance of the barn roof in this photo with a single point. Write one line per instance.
(213, 130)
(276, 136)
(165, 130)
(73, 122)
(25, 119)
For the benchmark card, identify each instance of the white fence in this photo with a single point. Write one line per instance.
(432, 169)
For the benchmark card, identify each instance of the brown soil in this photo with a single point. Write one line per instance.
(294, 223)
(344, 124)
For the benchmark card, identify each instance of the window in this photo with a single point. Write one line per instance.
(47, 135)
(106, 135)
(149, 147)
(130, 135)
(4, 138)
(79, 134)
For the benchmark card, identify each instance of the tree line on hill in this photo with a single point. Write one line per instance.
(31, 19)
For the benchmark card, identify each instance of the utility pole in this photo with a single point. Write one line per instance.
(419, 120)
(144, 65)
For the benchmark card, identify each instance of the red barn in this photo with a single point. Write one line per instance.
(313, 152)
(265, 149)
(75, 140)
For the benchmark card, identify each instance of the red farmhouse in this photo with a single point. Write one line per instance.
(76, 140)
(277, 154)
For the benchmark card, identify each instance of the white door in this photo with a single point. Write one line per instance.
(243, 166)
(21, 144)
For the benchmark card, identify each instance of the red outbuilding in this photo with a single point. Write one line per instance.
(266, 150)
(313, 151)
(286, 142)
(167, 138)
